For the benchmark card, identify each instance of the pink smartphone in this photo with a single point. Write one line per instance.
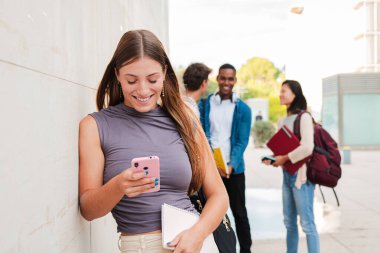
(151, 166)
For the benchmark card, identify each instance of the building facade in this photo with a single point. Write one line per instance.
(351, 101)
(351, 106)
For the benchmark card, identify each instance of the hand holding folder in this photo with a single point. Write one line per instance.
(175, 220)
(282, 143)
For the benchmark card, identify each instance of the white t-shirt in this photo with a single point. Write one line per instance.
(193, 105)
(221, 116)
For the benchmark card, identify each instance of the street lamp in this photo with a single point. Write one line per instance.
(297, 10)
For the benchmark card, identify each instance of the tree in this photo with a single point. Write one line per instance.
(262, 131)
(276, 110)
(212, 86)
(258, 70)
(260, 78)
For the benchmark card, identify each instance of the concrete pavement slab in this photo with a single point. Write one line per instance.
(352, 227)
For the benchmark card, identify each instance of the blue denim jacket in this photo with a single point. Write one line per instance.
(241, 129)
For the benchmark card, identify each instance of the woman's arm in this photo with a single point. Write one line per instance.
(306, 146)
(215, 208)
(216, 194)
(96, 199)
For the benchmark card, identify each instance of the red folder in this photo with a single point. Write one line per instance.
(283, 142)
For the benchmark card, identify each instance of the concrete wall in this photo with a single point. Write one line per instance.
(52, 56)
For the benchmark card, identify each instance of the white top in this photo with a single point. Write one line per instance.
(192, 104)
(221, 116)
(306, 144)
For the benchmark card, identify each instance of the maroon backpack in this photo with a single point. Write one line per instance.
(323, 168)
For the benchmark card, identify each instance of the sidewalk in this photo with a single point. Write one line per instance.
(352, 227)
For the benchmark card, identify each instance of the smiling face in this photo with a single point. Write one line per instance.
(286, 95)
(142, 83)
(226, 81)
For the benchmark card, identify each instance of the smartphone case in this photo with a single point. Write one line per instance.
(150, 165)
(272, 159)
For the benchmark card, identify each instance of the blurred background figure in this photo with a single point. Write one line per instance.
(259, 116)
(195, 80)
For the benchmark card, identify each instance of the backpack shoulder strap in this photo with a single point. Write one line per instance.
(297, 125)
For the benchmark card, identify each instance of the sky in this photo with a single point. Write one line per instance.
(314, 45)
(222, 31)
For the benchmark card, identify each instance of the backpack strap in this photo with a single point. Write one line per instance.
(336, 197)
(323, 196)
(297, 125)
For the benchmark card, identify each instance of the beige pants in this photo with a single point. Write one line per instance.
(151, 243)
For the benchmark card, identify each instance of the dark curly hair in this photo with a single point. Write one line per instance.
(194, 75)
(227, 66)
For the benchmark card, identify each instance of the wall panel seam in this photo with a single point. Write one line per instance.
(46, 74)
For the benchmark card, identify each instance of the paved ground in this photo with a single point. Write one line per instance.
(352, 227)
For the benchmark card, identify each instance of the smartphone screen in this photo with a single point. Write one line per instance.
(150, 165)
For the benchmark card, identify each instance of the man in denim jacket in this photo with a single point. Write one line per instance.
(227, 123)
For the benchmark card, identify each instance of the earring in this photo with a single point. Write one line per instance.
(163, 92)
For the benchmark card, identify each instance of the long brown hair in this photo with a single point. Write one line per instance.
(132, 46)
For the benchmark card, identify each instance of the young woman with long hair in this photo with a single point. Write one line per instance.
(297, 191)
(141, 114)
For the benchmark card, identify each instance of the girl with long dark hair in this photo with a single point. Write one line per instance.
(297, 191)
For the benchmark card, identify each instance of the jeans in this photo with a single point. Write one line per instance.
(299, 202)
(235, 186)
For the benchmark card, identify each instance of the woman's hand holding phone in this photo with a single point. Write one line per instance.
(142, 177)
(280, 160)
(275, 161)
(268, 160)
(133, 183)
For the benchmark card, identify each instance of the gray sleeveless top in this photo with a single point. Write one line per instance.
(125, 134)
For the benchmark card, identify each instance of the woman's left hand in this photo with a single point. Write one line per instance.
(280, 160)
(187, 241)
